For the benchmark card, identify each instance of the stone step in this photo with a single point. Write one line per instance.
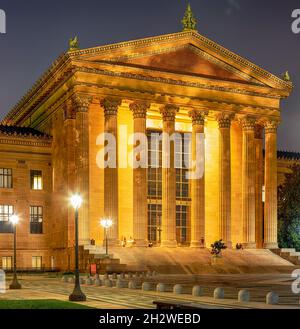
(297, 254)
(284, 250)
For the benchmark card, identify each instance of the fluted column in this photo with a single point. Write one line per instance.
(198, 181)
(69, 138)
(81, 104)
(270, 232)
(224, 121)
(111, 209)
(248, 182)
(140, 205)
(259, 167)
(168, 113)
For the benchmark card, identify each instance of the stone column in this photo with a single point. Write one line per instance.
(270, 232)
(111, 209)
(224, 121)
(140, 191)
(81, 103)
(259, 168)
(198, 182)
(70, 163)
(168, 113)
(248, 183)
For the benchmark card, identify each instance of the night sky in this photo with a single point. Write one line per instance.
(38, 31)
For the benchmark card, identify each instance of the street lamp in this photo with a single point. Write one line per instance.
(106, 224)
(77, 295)
(14, 219)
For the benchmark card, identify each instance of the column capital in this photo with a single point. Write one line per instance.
(258, 131)
(169, 112)
(110, 105)
(247, 122)
(139, 109)
(81, 102)
(224, 119)
(271, 126)
(198, 116)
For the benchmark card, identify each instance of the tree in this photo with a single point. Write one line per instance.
(289, 210)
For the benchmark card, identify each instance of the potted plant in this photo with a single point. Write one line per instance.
(216, 250)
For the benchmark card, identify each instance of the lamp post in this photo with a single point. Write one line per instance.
(14, 219)
(77, 295)
(106, 224)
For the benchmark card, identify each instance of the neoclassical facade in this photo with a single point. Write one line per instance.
(179, 83)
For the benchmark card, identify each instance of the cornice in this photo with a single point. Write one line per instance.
(13, 140)
(64, 59)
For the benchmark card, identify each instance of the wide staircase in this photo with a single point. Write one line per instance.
(289, 254)
(89, 255)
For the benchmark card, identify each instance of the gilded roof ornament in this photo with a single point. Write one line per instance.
(286, 76)
(73, 44)
(189, 21)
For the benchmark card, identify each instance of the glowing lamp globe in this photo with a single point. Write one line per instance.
(106, 223)
(76, 201)
(14, 219)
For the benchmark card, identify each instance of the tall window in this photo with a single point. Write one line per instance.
(36, 262)
(182, 157)
(154, 165)
(182, 229)
(6, 263)
(36, 179)
(154, 222)
(5, 178)
(36, 220)
(6, 211)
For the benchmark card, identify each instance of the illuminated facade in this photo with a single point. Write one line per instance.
(182, 83)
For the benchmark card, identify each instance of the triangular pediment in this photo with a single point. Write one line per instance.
(187, 59)
(184, 53)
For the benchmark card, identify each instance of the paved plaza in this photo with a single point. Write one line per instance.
(44, 287)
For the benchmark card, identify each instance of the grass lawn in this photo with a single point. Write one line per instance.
(39, 304)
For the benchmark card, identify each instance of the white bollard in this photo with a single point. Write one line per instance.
(115, 276)
(82, 280)
(178, 289)
(219, 293)
(146, 286)
(64, 278)
(197, 291)
(272, 298)
(244, 296)
(97, 282)
(132, 285)
(120, 284)
(108, 283)
(71, 279)
(161, 287)
(89, 281)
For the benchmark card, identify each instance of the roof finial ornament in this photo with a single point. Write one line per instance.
(286, 76)
(189, 21)
(73, 44)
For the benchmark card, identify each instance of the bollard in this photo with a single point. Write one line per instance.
(197, 291)
(97, 282)
(120, 284)
(129, 275)
(272, 298)
(64, 278)
(115, 276)
(146, 286)
(122, 276)
(108, 283)
(82, 280)
(106, 276)
(178, 289)
(161, 287)
(244, 296)
(132, 285)
(89, 281)
(71, 279)
(96, 276)
(219, 293)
